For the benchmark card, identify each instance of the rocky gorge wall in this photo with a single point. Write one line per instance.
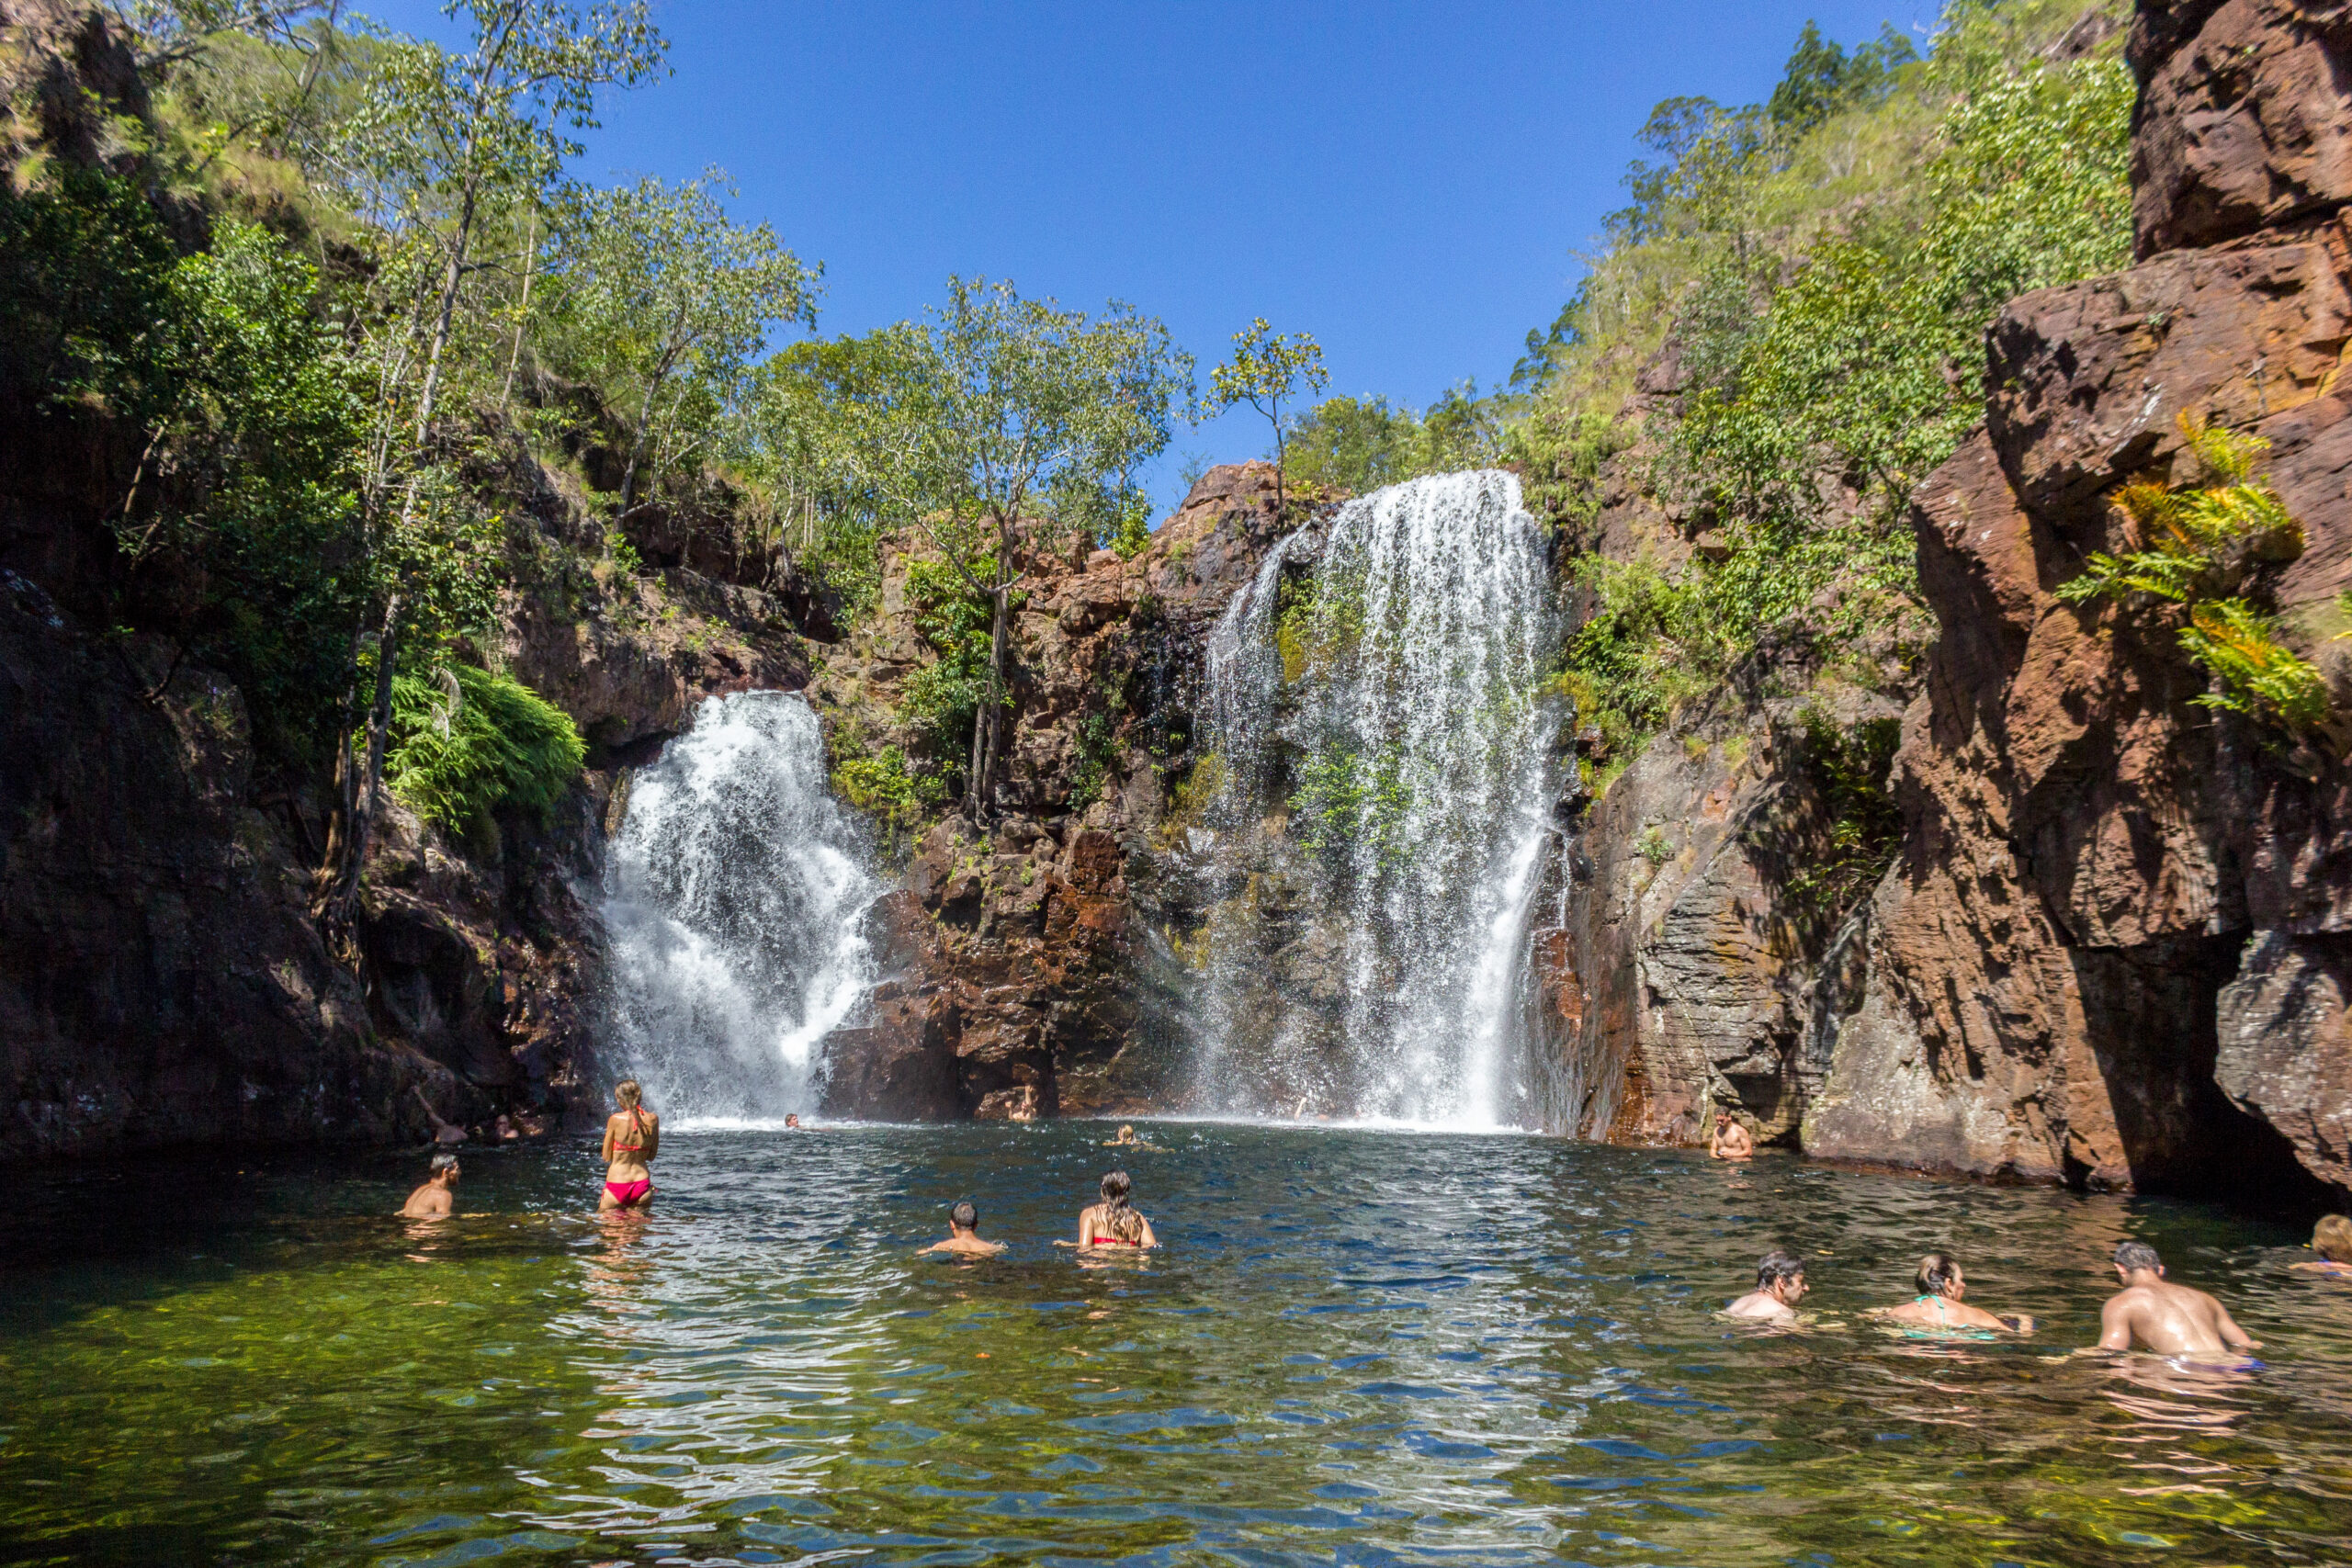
(2113, 947)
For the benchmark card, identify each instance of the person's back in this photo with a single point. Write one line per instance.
(1113, 1221)
(964, 1234)
(632, 1137)
(435, 1200)
(1939, 1304)
(2172, 1320)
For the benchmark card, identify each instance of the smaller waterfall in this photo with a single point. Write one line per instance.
(735, 897)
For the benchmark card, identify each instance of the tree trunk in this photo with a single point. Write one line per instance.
(987, 734)
(368, 793)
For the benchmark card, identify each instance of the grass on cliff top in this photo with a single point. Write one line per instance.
(1826, 264)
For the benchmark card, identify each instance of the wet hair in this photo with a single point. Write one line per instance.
(629, 1094)
(441, 1163)
(1936, 1272)
(2134, 1256)
(1116, 1218)
(1776, 1266)
(964, 1215)
(2332, 1238)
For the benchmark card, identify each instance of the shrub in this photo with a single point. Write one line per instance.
(467, 743)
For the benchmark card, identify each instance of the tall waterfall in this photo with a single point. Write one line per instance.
(735, 897)
(1371, 813)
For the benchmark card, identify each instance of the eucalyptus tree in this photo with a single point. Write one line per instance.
(972, 424)
(667, 301)
(439, 145)
(1266, 369)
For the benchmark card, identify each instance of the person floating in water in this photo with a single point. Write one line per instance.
(1127, 1140)
(445, 1132)
(2332, 1239)
(632, 1137)
(1780, 1285)
(964, 1234)
(2172, 1320)
(1112, 1222)
(792, 1120)
(1731, 1141)
(436, 1198)
(1939, 1302)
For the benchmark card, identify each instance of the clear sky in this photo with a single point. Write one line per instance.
(1410, 183)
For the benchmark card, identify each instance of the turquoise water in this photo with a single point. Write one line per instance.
(1357, 1348)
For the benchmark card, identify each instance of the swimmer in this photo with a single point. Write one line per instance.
(792, 1120)
(442, 1132)
(632, 1137)
(1731, 1141)
(504, 1129)
(1111, 1223)
(1127, 1140)
(1939, 1304)
(2332, 1239)
(1780, 1285)
(435, 1200)
(2169, 1319)
(964, 1234)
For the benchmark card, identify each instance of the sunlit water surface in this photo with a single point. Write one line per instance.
(1358, 1348)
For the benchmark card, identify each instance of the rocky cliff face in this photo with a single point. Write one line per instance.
(1028, 962)
(2113, 949)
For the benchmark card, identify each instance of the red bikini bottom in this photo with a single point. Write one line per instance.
(628, 1194)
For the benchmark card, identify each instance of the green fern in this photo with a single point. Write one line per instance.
(467, 743)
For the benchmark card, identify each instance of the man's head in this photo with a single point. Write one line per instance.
(2332, 1238)
(2137, 1257)
(792, 1119)
(1781, 1276)
(444, 1170)
(963, 1217)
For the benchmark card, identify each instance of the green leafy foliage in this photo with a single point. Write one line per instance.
(1359, 445)
(1266, 370)
(2198, 542)
(1342, 798)
(469, 743)
(1851, 768)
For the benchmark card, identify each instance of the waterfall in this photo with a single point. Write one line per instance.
(735, 896)
(1369, 819)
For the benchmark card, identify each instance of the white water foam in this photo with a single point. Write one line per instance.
(1378, 834)
(735, 901)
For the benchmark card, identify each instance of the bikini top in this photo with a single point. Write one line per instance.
(637, 1125)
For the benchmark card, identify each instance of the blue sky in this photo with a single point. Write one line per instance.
(1410, 183)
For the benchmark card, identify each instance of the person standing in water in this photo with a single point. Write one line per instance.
(1780, 1285)
(632, 1137)
(1731, 1141)
(436, 1198)
(2171, 1320)
(442, 1132)
(964, 1234)
(1939, 1304)
(1112, 1222)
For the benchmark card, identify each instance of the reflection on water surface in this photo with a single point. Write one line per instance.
(1358, 1348)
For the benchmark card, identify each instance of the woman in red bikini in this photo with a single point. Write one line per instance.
(1110, 1222)
(632, 1138)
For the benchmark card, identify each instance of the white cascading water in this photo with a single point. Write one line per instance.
(1383, 763)
(735, 900)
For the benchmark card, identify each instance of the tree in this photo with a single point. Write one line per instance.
(1267, 368)
(438, 141)
(972, 424)
(668, 299)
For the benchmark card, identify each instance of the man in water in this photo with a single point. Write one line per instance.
(445, 1132)
(2169, 1319)
(1780, 1285)
(964, 1234)
(434, 1201)
(792, 1120)
(1731, 1141)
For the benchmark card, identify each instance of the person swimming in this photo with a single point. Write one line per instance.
(2172, 1320)
(964, 1234)
(436, 1198)
(1780, 1285)
(1731, 1141)
(2332, 1239)
(632, 1137)
(445, 1132)
(1939, 1302)
(792, 1121)
(1112, 1222)
(1127, 1139)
